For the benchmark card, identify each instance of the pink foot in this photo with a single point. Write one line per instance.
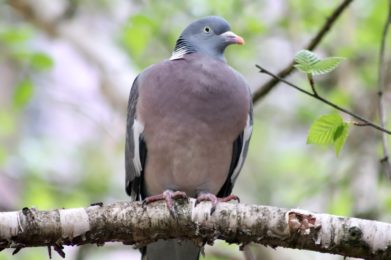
(168, 196)
(206, 196)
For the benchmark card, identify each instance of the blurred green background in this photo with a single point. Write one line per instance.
(66, 68)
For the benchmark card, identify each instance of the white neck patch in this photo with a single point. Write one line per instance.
(178, 54)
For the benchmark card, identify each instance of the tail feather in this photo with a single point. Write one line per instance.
(173, 249)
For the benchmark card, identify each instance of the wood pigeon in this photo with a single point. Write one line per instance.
(188, 127)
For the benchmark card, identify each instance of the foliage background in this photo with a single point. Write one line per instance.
(66, 69)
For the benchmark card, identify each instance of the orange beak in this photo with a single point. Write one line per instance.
(233, 38)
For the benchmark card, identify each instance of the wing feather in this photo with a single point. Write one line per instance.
(239, 154)
(135, 148)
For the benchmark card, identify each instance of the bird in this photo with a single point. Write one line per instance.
(189, 124)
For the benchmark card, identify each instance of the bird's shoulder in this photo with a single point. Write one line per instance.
(191, 67)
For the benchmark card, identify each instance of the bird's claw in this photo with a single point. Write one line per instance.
(229, 198)
(168, 196)
(206, 196)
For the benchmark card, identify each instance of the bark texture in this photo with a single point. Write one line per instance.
(133, 223)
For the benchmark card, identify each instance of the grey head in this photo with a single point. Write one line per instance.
(209, 35)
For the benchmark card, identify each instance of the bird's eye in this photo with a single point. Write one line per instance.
(207, 29)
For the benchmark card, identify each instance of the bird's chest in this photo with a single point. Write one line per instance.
(191, 119)
(201, 100)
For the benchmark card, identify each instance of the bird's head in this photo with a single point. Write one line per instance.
(209, 35)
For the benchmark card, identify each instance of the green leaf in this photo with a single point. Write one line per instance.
(15, 35)
(326, 65)
(23, 93)
(322, 131)
(142, 20)
(37, 60)
(329, 129)
(308, 62)
(41, 61)
(136, 39)
(340, 137)
(137, 33)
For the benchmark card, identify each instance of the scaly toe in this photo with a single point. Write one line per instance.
(167, 196)
(205, 196)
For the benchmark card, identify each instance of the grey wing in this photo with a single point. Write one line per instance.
(135, 148)
(239, 154)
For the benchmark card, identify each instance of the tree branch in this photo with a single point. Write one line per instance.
(316, 96)
(138, 224)
(269, 85)
(381, 88)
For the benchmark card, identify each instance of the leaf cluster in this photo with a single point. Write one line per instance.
(328, 129)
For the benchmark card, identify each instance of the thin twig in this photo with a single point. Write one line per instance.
(312, 83)
(263, 90)
(381, 88)
(359, 123)
(262, 70)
